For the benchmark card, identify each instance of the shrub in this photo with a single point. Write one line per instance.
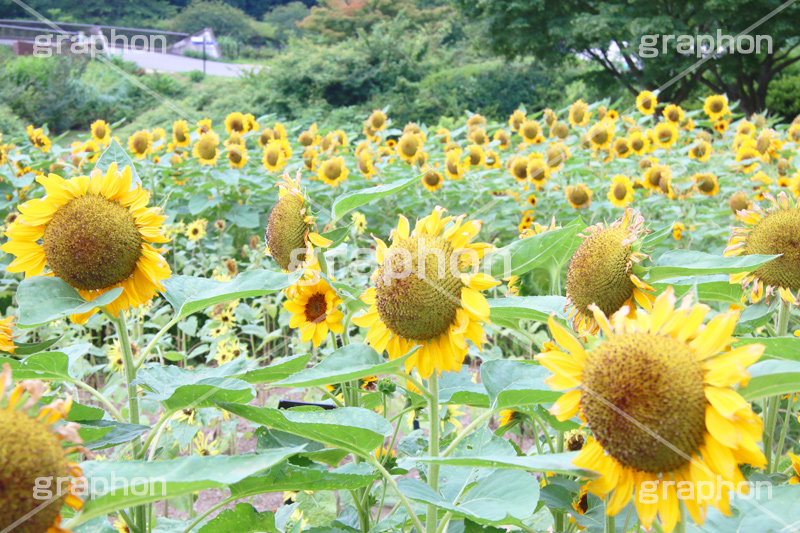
(783, 96)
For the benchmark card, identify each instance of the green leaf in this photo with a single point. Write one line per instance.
(277, 371)
(43, 299)
(784, 348)
(51, 366)
(350, 428)
(543, 250)
(337, 235)
(355, 199)
(512, 309)
(116, 485)
(717, 288)
(766, 508)
(271, 438)
(511, 384)
(244, 216)
(101, 434)
(351, 362)
(679, 263)
(559, 463)
(244, 518)
(189, 294)
(296, 478)
(656, 237)
(117, 154)
(28, 348)
(457, 388)
(179, 388)
(771, 378)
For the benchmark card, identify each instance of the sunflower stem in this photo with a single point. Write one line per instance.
(787, 419)
(774, 402)
(433, 450)
(611, 526)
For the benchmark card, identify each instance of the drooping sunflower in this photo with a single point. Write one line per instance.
(140, 143)
(516, 119)
(666, 134)
(639, 143)
(706, 183)
(101, 132)
(601, 271)
(31, 450)
(204, 126)
(716, 107)
(674, 114)
(432, 180)
(657, 394)
(313, 305)
(620, 193)
(96, 234)
(646, 102)
(206, 149)
(655, 175)
(579, 114)
(559, 130)
(503, 138)
(493, 160)
(289, 235)
(236, 122)
(365, 164)
(425, 296)
(770, 232)
(180, 133)
(475, 156)
(579, 196)
(333, 171)
(478, 136)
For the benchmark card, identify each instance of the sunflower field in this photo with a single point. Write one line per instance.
(578, 319)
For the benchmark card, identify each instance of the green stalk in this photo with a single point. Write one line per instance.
(433, 450)
(611, 526)
(774, 402)
(100, 398)
(787, 419)
(559, 518)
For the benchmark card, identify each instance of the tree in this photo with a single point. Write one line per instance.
(644, 44)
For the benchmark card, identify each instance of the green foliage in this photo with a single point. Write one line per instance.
(783, 96)
(223, 18)
(285, 18)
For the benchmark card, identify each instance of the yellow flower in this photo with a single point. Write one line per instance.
(706, 183)
(237, 155)
(701, 151)
(579, 114)
(188, 415)
(333, 171)
(203, 447)
(140, 144)
(531, 132)
(359, 222)
(646, 103)
(236, 122)
(313, 307)
(674, 114)
(666, 134)
(677, 230)
(504, 138)
(204, 127)
(475, 156)
(601, 134)
(639, 143)
(432, 180)
(365, 164)
(656, 392)
(620, 194)
(116, 362)
(769, 233)
(377, 120)
(196, 230)
(408, 146)
(101, 132)
(721, 126)
(109, 224)
(716, 107)
(274, 157)
(578, 196)
(516, 119)
(438, 309)
(795, 479)
(537, 170)
(38, 139)
(508, 416)
(453, 165)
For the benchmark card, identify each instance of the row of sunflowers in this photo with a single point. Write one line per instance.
(578, 319)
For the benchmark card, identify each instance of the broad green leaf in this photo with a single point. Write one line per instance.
(765, 508)
(350, 428)
(457, 388)
(337, 235)
(511, 384)
(51, 366)
(771, 378)
(679, 263)
(179, 388)
(559, 463)
(755, 316)
(656, 237)
(544, 250)
(537, 308)
(296, 478)
(784, 348)
(244, 518)
(717, 288)
(277, 371)
(355, 199)
(117, 154)
(271, 438)
(189, 294)
(43, 299)
(244, 216)
(354, 361)
(101, 434)
(115, 485)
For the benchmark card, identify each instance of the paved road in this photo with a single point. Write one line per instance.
(175, 63)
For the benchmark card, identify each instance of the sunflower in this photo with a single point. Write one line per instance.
(359, 222)
(794, 133)
(492, 160)
(739, 201)
(233, 139)
(716, 107)
(274, 159)
(140, 144)
(656, 392)
(538, 172)
(579, 114)
(559, 130)
(666, 134)
(454, 167)
(518, 167)
(638, 143)
(795, 479)
(377, 120)
(706, 183)
(475, 156)
(432, 180)
(601, 271)
(333, 171)
(516, 119)
(437, 304)
(204, 126)
(111, 226)
(236, 122)
(116, 361)
(180, 133)
(237, 155)
(38, 139)
(507, 417)
(196, 230)
(655, 175)
(101, 132)
(30, 450)
(478, 136)
(474, 121)
(748, 157)
(674, 114)
(313, 308)
(443, 134)
(701, 151)
(646, 103)
(578, 196)
(677, 230)
(769, 233)
(503, 138)
(601, 134)
(202, 445)
(206, 149)
(365, 164)
(620, 194)
(531, 132)
(289, 227)
(408, 146)
(722, 125)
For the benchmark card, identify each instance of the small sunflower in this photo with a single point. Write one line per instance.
(716, 107)
(478, 136)
(196, 230)
(206, 149)
(274, 159)
(559, 130)
(108, 222)
(507, 417)
(39, 139)
(518, 167)
(656, 392)
(475, 156)
(739, 201)
(639, 143)
(359, 222)
(437, 305)
(601, 271)
(101, 132)
(579, 196)
(516, 119)
(646, 102)
(204, 126)
(493, 160)
(620, 193)
(701, 151)
(674, 114)
(408, 146)
(666, 134)
(722, 125)
(237, 155)
(236, 122)
(579, 114)
(621, 147)
(538, 172)
(366, 165)
(377, 120)
(748, 157)
(677, 230)
(432, 180)
(203, 446)
(333, 171)
(771, 232)
(655, 176)
(531, 132)
(706, 183)
(454, 167)
(313, 306)
(140, 144)
(556, 156)
(116, 361)
(503, 138)
(601, 134)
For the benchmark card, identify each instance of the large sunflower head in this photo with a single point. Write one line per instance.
(772, 232)
(427, 293)
(601, 271)
(101, 132)
(289, 235)
(206, 149)
(579, 114)
(716, 107)
(408, 146)
(656, 393)
(95, 233)
(646, 102)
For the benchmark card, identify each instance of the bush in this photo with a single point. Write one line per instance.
(224, 19)
(10, 124)
(196, 76)
(783, 96)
